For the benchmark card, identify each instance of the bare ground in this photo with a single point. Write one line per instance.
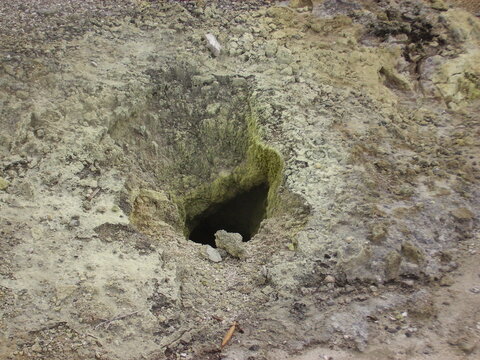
(371, 248)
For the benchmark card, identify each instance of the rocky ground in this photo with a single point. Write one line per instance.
(120, 127)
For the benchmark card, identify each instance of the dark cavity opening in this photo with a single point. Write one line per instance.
(241, 214)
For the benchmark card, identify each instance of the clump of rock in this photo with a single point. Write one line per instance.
(3, 184)
(213, 254)
(230, 242)
(213, 45)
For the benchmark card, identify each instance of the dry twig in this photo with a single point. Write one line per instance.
(107, 323)
(230, 332)
(93, 194)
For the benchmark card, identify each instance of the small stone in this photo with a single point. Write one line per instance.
(239, 82)
(271, 48)
(446, 281)
(300, 3)
(213, 45)
(287, 71)
(412, 253)
(410, 331)
(439, 5)
(475, 290)
(284, 55)
(378, 233)
(40, 133)
(462, 214)
(231, 242)
(74, 221)
(213, 109)
(222, 253)
(102, 209)
(25, 189)
(317, 26)
(392, 330)
(392, 265)
(329, 279)
(36, 347)
(213, 254)
(291, 247)
(3, 184)
(467, 346)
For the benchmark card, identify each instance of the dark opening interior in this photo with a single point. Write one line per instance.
(241, 214)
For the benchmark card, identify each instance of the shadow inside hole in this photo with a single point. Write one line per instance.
(241, 214)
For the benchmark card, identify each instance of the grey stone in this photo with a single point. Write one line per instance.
(36, 347)
(271, 48)
(222, 253)
(462, 214)
(468, 346)
(446, 281)
(231, 242)
(213, 45)
(25, 189)
(284, 55)
(287, 71)
(392, 265)
(213, 254)
(329, 279)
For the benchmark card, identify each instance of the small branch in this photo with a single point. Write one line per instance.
(230, 332)
(107, 323)
(93, 194)
(175, 340)
(51, 326)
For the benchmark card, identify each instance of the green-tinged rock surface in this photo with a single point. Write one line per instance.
(4, 184)
(392, 265)
(412, 253)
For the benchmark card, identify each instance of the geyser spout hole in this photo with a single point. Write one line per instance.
(241, 214)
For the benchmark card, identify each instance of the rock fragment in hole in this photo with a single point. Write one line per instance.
(213, 45)
(213, 254)
(231, 242)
